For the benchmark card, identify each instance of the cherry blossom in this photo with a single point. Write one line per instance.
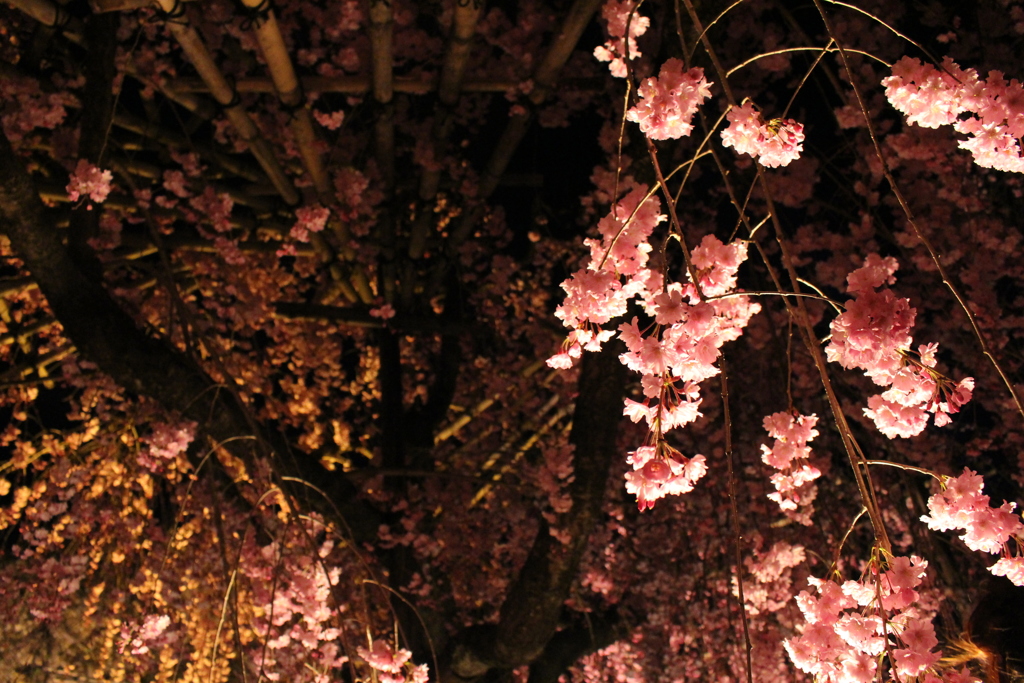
(88, 180)
(657, 474)
(793, 487)
(618, 15)
(852, 628)
(961, 505)
(873, 334)
(775, 143)
(988, 110)
(669, 101)
(309, 219)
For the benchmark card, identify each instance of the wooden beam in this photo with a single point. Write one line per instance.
(456, 57)
(196, 51)
(361, 85)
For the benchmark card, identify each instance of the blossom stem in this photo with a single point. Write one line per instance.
(727, 416)
(886, 171)
(901, 466)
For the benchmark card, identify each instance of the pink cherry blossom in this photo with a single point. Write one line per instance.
(989, 111)
(774, 144)
(669, 101)
(617, 15)
(793, 488)
(657, 475)
(88, 180)
(961, 505)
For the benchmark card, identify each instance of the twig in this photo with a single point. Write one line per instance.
(735, 515)
(886, 171)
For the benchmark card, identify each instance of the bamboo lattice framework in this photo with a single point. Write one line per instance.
(421, 222)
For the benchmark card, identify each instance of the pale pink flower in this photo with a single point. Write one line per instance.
(656, 476)
(1010, 567)
(309, 219)
(330, 121)
(669, 101)
(383, 658)
(617, 15)
(385, 312)
(774, 144)
(89, 180)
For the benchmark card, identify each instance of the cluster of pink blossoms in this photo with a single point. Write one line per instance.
(309, 219)
(291, 589)
(88, 180)
(774, 144)
(656, 475)
(669, 101)
(987, 529)
(874, 334)
(789, 453)
(153, 631)
(392, 665)
(989, 111)
(616, 14)
(165, 443)
(673, 353)
(852, 626)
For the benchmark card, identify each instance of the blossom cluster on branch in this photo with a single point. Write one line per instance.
(669, 101)
(961, 505)
(852, 628)
(673, 353)
(773, 143)
(794, 488)
(620, 15)
(873, 334)
(990, 111)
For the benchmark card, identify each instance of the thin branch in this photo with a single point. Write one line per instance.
(783, 51)
(936, 259)
(735, 519)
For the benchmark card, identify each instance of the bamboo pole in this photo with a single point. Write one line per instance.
(289, 89)
(27, 331)
(16, 286)
(200, 106)
(101, 6)
(21, 372)
(456, 426)
(168, 138)
(524, 446)
(290, 92)
(361, 85)
(544, 78)
(382, 57)
(381, 70)
(52, 15)
(449, 86)
(195, 49)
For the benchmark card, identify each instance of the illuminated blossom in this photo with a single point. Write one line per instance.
(669, 101)
(88, 180)
(774, 144)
